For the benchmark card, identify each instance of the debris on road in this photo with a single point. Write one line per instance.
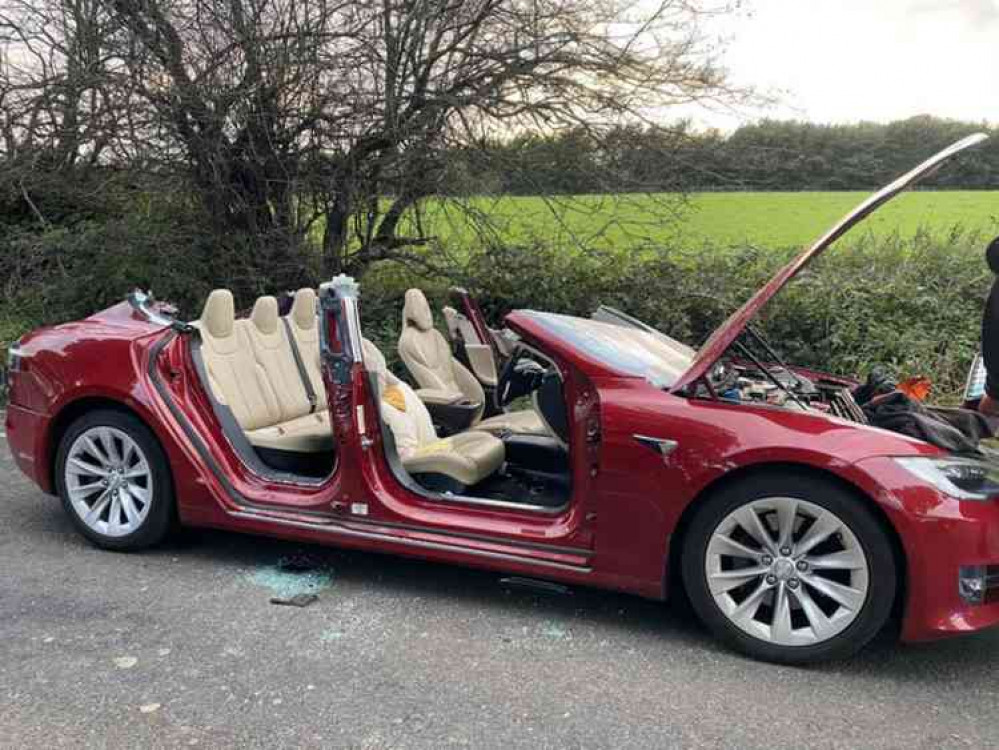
(555, 631)
(294, 576)
(535, 584)
(328, 636)
(298, 600)
(299, 562)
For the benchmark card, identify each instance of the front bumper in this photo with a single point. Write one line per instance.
(939, 536)
(26, 431)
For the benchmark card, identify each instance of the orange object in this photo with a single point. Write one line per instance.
(393, 396)
(918, 387)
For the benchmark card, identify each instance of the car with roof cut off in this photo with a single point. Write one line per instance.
(583, 451)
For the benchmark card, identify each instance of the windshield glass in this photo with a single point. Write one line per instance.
(624, 348)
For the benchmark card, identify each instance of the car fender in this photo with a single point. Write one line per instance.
(710, 442)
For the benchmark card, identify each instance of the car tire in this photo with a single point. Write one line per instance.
(809, 610)
(114, 481)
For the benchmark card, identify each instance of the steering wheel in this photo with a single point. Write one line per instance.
(517, 378)
(501, 395)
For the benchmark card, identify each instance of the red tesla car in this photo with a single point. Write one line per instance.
(595, 451)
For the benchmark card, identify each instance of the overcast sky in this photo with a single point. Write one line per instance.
(849, 60)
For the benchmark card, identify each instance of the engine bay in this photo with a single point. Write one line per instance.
(779, 385)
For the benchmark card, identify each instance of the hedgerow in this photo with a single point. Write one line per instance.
(911, 304)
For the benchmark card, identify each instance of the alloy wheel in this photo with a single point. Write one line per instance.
(787, 571)
(109, 481)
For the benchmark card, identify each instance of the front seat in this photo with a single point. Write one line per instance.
(445, 380)
(452, 463)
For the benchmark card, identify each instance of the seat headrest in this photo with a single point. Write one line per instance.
(374, 361)
(416, 311)
(218, 314)
(265, 315)
(452, 321)
(303, 309)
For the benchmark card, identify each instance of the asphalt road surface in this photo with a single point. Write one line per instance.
(180, 647)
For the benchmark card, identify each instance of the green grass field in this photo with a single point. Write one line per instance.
(717, 219)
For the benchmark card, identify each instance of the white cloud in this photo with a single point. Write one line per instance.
(850, 60)
(974, 11)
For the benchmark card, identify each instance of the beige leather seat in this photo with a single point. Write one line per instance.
(251, 369)
(468, 457)
(303, 322)
(442, 378)
(480, 353)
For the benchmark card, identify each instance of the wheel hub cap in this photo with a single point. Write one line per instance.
(783, 569)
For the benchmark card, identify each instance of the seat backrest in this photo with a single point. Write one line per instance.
(272, 349)
(459, 327)
(411, 425)
(235, 378)
(426, 353)
(303, 322)
(479, 353)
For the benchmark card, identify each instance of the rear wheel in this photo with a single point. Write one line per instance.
(114, 481)
(789, 568)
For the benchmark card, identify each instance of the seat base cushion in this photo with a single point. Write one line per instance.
(468, 457)
(308, 434)
(525, 422)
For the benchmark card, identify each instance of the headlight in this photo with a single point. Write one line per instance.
(963, 478)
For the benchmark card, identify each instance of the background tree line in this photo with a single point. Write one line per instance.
(260, 145)
(296, 134)
(767, 155)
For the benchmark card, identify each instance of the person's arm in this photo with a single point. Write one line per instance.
(990, 336)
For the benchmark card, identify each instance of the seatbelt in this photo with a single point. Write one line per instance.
(302, 372)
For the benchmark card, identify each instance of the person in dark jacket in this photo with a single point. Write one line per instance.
(990, 337)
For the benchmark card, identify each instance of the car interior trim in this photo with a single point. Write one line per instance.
(250, 506)
(406, 480)
(237, 437)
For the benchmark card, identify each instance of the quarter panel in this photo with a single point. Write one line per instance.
(102, 358)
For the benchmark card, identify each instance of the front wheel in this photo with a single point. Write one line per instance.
(789, 568)
(114, 481)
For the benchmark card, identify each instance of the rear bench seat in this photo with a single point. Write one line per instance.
(252, 369)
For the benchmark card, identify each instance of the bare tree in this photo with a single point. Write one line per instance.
(331, 121)
(439, 74)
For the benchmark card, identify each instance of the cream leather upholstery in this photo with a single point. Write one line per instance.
(308, 434)
(303, 320)
(427, 355)
(442, 378)
(234, 376)
(251, 369)
(480, 354)
(272, 350)
(524, 422)
(468, 457)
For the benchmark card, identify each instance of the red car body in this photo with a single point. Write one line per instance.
(629, 506)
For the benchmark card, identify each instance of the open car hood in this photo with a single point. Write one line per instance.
(726, 334)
